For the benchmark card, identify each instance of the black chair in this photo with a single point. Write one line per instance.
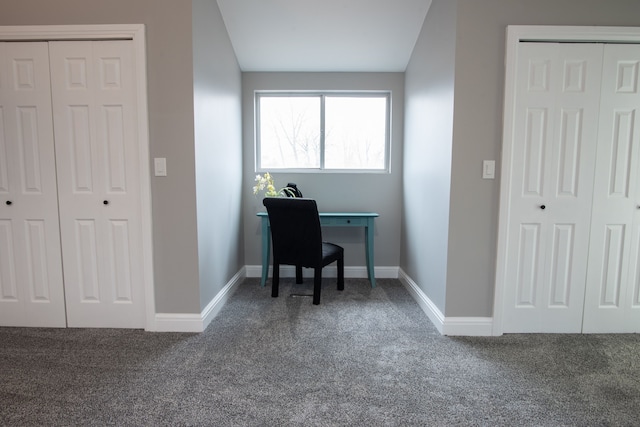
(297, 240)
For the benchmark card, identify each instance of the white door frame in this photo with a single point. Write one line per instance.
(516, 34)
(136, 33)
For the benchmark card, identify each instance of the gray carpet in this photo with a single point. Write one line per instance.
(362, 358)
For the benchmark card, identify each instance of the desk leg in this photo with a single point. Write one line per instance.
(266, 248)
(369, 249)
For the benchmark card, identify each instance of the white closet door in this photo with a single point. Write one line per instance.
(552, 165)
(97, 153)
(31, 286)
(612, 302)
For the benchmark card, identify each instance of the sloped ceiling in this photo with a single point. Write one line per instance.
(323, 35)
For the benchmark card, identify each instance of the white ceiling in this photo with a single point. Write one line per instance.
(323, 35)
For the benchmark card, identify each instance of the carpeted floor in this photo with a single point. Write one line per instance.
(364, 357)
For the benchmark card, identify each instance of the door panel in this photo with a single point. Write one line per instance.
(555, 127)
(561, 255)
(612, 282)
(97, 154)
(31, 284)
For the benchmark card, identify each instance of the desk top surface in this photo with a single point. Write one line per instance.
(338, 214)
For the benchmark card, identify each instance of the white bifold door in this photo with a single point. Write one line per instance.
(612, 300)
(31, 285)
(572, 233)
(70, 241)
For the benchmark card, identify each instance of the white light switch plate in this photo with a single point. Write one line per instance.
(160, 166)
(488, 169)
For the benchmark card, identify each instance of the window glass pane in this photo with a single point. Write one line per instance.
(355, 132)
(289, 132)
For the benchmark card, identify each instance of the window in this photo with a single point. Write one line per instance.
(322, 131)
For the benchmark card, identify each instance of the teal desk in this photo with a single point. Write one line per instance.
(330, 219)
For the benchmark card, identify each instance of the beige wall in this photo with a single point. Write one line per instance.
(450, 226)
(477, 133)
(170, 104)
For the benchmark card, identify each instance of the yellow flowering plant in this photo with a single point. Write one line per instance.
(266, 182)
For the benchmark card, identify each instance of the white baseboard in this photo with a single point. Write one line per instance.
(451, 326)
(356, 272)
(468, 326)
(430, 309)
(178, 322)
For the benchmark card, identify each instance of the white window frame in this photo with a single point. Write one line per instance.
(322, 95)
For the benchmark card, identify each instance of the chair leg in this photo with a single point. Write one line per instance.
(317, 285)
(275, 282)
(341, 274)
(298, 274)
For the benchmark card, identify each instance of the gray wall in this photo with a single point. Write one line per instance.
(218, 150)
(477, 135)
(477, 126)
(477, 131)
(379, 192)
(429, 83)
(171, 132)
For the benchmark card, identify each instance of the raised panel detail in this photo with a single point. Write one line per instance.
(37, 259)
(76, 73)
(87, 252)
(621, 153)
(574, 76)
(539, 71)
(4, 171)
(28, 141)
(534, 151)
(30, 153)
(562, 257)
(569, 155)
(111, 74)
(81, 149)
(627, 81)
(24, 74)
(528, 265)
(122, 286)
(635, 296)
(114, 139)
(610, 281)
(8, 286)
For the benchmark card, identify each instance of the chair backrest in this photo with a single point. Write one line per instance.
(295, 230)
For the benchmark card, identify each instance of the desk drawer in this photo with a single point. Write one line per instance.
(343, 221)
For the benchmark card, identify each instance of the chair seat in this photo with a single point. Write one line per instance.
(331, 252)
